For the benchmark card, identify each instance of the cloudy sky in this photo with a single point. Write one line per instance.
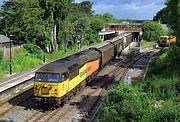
(126, 9)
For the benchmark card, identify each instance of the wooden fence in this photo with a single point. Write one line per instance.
(6, 51)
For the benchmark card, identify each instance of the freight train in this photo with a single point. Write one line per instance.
(58, 81)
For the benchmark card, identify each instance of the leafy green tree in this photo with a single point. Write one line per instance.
(35, 21)
(65, 36)
(109, 18)
(5, 15)
(79, 29)
(48, 17)
(56, 12)
(152, 31)
(84, 7)
(62, 10)
(174, 16)
(91, 37)
(22, 18)
(97, 24)
(162, 16)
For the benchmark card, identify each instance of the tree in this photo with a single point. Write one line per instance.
(84, 7)
(35, 21)
(162, 16)
(62, 10)
(97, 24)
(152, 31)
(109, 17)
(22, 18)
(65, 36)
(174, 16)
(56, 12)
(79, 29)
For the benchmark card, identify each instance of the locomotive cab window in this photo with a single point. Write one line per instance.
(53, 77)
(40, 77)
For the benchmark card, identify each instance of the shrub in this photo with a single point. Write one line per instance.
(137, 103)
(24, 60)
(152, 31)
(169, 112)
(124, 103)
(34, 49)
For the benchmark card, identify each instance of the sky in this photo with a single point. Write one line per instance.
(126, 9)
(1, 2)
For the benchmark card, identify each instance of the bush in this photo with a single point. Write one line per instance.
(124, 103)
(152, 31)
(169, 112)
(167, 60)
(34, 49)
(138, 103)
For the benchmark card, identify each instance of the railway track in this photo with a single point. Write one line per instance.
(79, 108)
(118, 71)
(96, 106)
(7, 106)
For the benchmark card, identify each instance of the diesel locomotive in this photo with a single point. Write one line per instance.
(57, 81)
(166, 41)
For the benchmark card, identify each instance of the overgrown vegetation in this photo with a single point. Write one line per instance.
(23, 60)
(156, 99)
(152, 31)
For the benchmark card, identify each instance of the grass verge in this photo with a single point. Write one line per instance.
(23, 60)
(147, 43)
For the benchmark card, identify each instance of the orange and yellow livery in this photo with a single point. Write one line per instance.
(166, 40)
(59, 78)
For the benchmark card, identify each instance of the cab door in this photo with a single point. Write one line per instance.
(65, 84)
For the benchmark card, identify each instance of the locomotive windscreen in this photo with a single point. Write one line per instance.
(49, 77)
